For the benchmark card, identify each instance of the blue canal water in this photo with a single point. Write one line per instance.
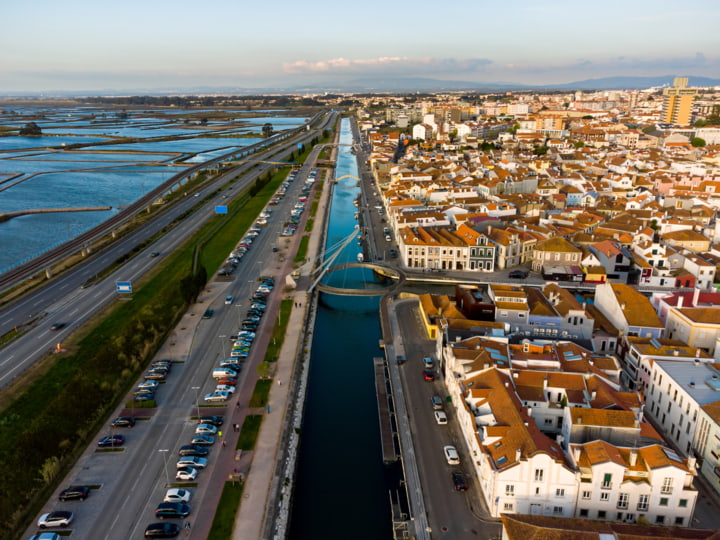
(342, 486)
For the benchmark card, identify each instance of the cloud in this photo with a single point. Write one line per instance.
(399, 65)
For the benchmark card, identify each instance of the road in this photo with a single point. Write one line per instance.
(133, 481)
(63, 300)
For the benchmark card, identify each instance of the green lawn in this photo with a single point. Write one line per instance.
(278, 336)
(249, 432)
(224, 520)
(260, 393)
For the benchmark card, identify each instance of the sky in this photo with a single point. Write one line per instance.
(94, 45)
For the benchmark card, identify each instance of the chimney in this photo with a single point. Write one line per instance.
(676, 352)
(529, 411)
(576, 452)
(545, 381)
(697, 352)
(622, 306)
(691, 463)
(633, 458)
(518, 453)
(593, 394)
(680, 302)
(696, 295)
(578, 420)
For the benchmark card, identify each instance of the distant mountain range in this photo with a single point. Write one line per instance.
(395, 85)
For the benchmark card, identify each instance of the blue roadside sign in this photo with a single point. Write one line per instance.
(221, 209)
(123, 286)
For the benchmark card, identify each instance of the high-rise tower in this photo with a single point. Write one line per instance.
(677, 107)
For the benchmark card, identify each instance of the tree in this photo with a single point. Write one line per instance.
(540, 150)
(267, 130)
(578, 144)
(31, 129)
(453, 136)
(697, 142)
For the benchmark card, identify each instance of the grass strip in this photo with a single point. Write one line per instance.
(302, 250)
(249, 432)
(224, 520)
(260, 393)
(278, 336)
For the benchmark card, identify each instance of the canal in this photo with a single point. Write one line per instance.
(342, 487)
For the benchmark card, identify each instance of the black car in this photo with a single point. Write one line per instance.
(172, 510)
(111, 441)
(208, 314)
(74, 492)
(154, 253)
(123, 421)
(459, 481)
(213, 420)
(518, 274)
(162, 530)
(193, 450)
(57, 326)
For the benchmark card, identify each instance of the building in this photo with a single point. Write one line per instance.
(678, 102)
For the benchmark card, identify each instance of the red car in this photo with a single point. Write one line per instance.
(428, 375)
(232, 381)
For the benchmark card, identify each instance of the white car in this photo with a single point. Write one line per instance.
(206, 429)
(228, 300)
(149, 384)
(194, 462)
(218, 395)
(177, 495)
(186, 473)
(451, 455)
(225, 388)
(440, 417)
(59, 518)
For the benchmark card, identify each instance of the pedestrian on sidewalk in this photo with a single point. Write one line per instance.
(224, 443)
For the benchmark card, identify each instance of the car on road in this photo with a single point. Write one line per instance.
(58, 518)
(196, 462)
(186, 474)
(206, 428)
(428, 375)
(111, 441)
(213, 419)
(451, 455)
(440, 417)
(218, 395)
(57, 326)
(203, 440)
(162, 530)
(518, 274)
(172, 510)
(393, 253)
(228, 300)
(73, 493)
(208, 314)
(427, 362)
(437, 403)
(459, 481)
(177, 495)
(154, 253)
(123, 421)
(193, 450)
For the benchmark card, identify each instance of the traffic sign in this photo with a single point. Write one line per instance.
(123, 286)
(221, 209)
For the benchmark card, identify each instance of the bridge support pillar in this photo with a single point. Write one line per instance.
(48, 273)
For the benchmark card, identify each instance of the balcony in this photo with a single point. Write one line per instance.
(606, 485)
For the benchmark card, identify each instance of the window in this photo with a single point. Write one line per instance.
(509, 490)
(605, 496)
(560, 492)
(622, 500)
(548, 421)
(585, 495)
(642, 505)
(683, 503)
(663, 501)
(508, 507)
(660, 520)
(557, 509)
(583, 512)
(539, 475)
(607, 481)
(679, 520)
(602, 514)
(667, 486)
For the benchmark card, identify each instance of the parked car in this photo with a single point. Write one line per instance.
(144, 391)
(193, 450)
(162, 530)
(459, 481)
(228, 380)
(111, 441)
(518, 274)
(149, 384)
(225, 388)
(203, 440)
(144, 397)
(177, 495)
(218, 395)
(58, 518)
(214, 420)
(172, 510)
(186, 474)
(206, 428)
(46, 536)
(440, 417)
(123, 421)
(155, 376)
(451, 455)
(73, 493)
(437, 403)
(195, 462)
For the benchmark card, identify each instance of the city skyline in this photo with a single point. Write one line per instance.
(86, 46)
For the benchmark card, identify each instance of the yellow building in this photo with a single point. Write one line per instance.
(677, 107)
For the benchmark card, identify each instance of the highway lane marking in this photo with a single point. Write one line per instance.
(62, 286)
(39, 302)
(98, 294)
(74, 311)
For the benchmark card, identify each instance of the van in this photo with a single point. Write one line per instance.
(219, 373)
(428, 362)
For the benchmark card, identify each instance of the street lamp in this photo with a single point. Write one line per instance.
(222, 346)
(197, 400)
(240, 315)
(167, 477)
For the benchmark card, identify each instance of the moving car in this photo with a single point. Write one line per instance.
(428, 375)
(440, 417)
(186, 474)
(192, 461)
(74, 492)
(208, 314)
(229, 300)
(59, 518)
(123, 421)
(177, 495)
(451, 455)
(162, 530)
(154, 253)
(459, 481)
(193, 450)
(518, 274)
(111, 441)
(172, 510)
(437, 403)
(57, 326)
